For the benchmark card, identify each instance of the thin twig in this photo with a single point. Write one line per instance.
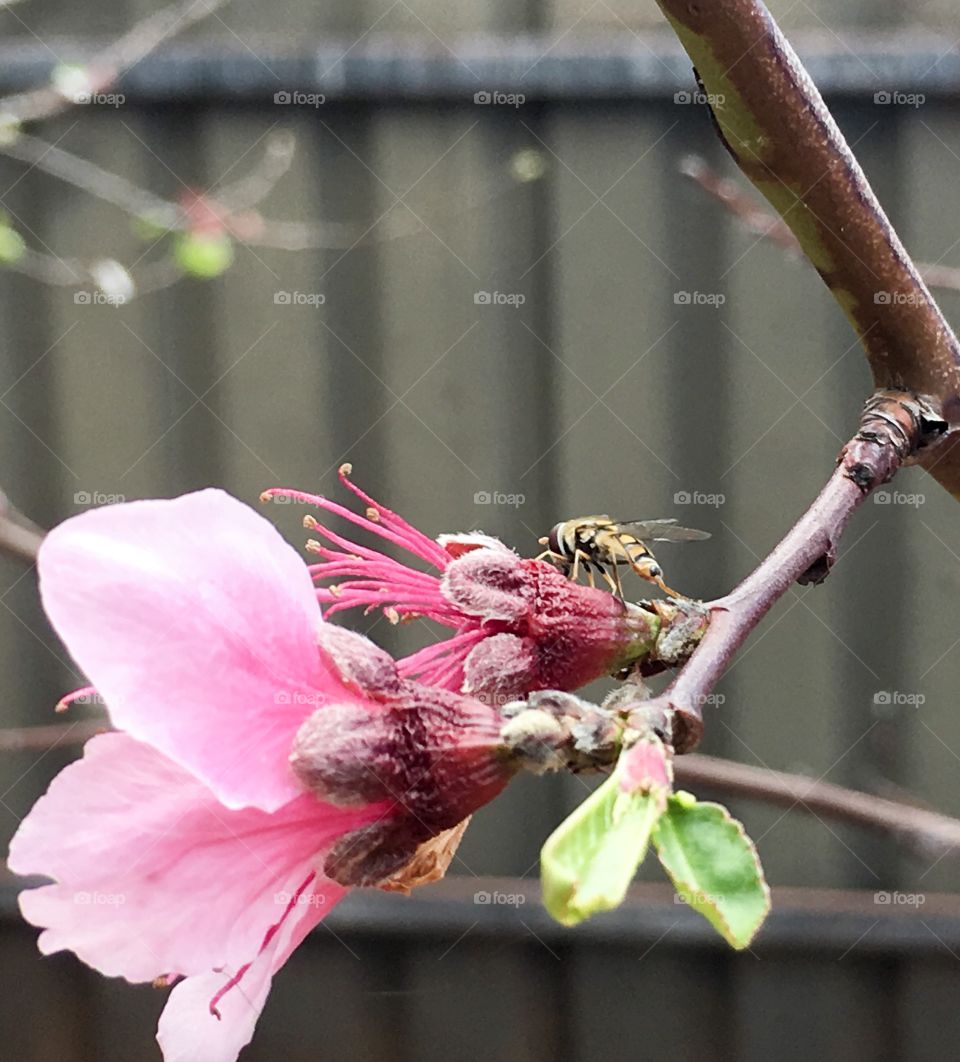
(41, 738)
(770, 227)
(19, 537)
(106, 66)
(927, 832)
(893, 427)
(92, 179)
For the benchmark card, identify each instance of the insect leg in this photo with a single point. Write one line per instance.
(652, 572)
(666, 589)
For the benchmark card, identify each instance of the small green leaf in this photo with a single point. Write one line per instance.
(203, 256)
(588, 862)
(713, 866)
(12, 245)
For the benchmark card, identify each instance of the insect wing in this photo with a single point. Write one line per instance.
(661, 531)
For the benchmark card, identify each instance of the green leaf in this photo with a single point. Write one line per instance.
(203, 256)
(713, 866)
(12, 245)
(588, 862)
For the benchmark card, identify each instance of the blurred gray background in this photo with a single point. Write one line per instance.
(595, 387)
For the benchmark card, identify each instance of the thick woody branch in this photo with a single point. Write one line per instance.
(894, 426)
(780, 133)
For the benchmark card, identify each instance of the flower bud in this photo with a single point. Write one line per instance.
(431, 756)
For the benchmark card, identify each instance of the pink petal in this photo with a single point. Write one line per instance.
(197, 623)
(493, 584)
(154, 876)
(189, 1032)
(501, 668)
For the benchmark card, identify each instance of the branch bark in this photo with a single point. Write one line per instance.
(893, 427)
(928, 833)
(776, 126)
(774, 229)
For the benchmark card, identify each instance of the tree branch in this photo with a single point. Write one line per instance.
(774, 229)
(893, 427)
(927, 832)
(19, 537)
(106, 66)
(776, 126)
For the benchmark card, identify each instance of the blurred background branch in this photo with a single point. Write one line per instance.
(19, 536)
(742, 206)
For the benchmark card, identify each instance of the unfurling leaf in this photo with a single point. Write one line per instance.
(589, 861)
(713, 866)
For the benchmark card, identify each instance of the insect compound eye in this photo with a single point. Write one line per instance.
(553, 539)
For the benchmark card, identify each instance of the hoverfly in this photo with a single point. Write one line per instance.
(599, 542)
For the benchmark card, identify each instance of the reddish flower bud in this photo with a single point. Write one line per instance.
(433, 754)
(646, 767)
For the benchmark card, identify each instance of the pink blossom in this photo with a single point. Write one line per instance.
(266, 762)
(519, 624)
